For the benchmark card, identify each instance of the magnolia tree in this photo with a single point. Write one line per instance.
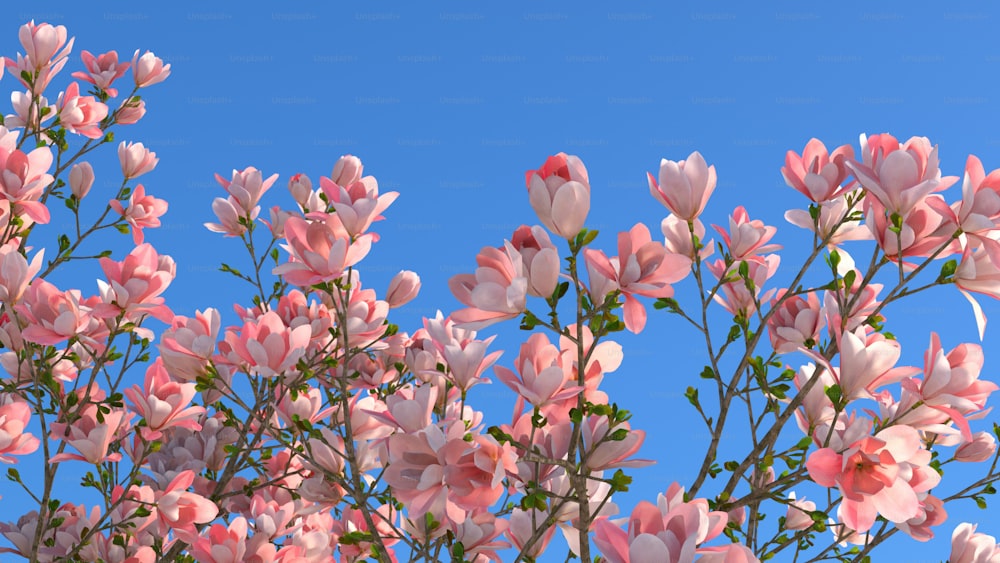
(313, 429)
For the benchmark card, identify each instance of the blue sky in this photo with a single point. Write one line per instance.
(450, 103)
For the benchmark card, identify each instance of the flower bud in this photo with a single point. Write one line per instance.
(981, 448)
(81, 178)
(403, 288)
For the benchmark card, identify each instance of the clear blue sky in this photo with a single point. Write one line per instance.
(451, 102)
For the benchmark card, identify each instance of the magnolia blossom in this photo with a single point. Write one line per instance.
(143, 211)
(148, 69)
(559, 192)
(877, 475)
(81, 114)
(818, 174)
(102, 70)
(497, 291)
(685, 186)
(136, 159)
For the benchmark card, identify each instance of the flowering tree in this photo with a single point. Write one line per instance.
(313, 429)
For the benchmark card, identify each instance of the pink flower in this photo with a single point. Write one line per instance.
(134, 286)
(16, 273)
(81, 114)
(163, 403)
(832, 227)
(559, 192)
(969, 546)
(747, 238)
(798, 516)
(131, 111)
(735, 297)
(403, 288)
(24, 178)
(979, 209)
(102, 70)
(144, 211)
(43, 58)
(320, 250)
(265, 345)
(877, 475)
(670, 531)
(606, 452)
(135, 159)
(497, 291)
(978, 273)
(301, 188)
(642, 267)
(684, 187)
(796, 323)
(817, 174)
(81, 178)
(179, 510)
(186, 348)
(90, 436)
(53, 316)
(15, 415)
(951, 382)
(541, 259)
(677, 237)
(899, 176)
(522, 525)
(932, 513)
(929, 225)
(981, 448)
(356, 201)
(867, 363)
(541, 376)
(232, 222)
(246, 188)
(148, 69)
(222, 544)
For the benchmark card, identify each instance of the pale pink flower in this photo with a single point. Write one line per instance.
(867, 362)
(817, 174)
(265, 346)
(796, 322)
(24, 178)
(102, 70)
(978, 273)
(180, 511)
(222, 544)
(26, 108)
(148, 69)
(979, 209)
(559, 193)
(246, 188)
(541, 376)
(685, 186)
(43, 58)
(899, 175)
(969, 546)
(928, 226)
(53, 316)
(643, 267)
(603, 452)
(81, 178)
(403, 288)
(864, 299)
(164, 403)
(467, 360)
(677, 237)
(231, 222)
(747, 237)
(301, 188)
(320, 250)
(144, 211)
(932, 513)
(798, 515)
(16, 273)
(134, 286)
(81, 114)
(89, 436)
(877, 475)
(131, 111)
(496, 292)
(981, 448)
(670, 532)
(186, 348)
(951, 382)
(15, 415)
(541, 259)
(356, 200)
(136, 159)
(522, 525)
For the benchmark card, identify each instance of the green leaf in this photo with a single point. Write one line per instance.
(692, 396)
